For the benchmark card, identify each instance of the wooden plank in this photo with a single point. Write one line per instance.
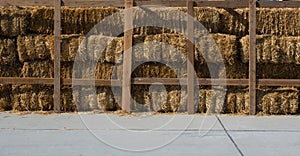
(279, 82)
(27, 80)
(282, 4)
(126, 82)
(190, 57)
(140, 81)
(252, 61)
(93, 3)
(26, 3)
(57, 48)
(86, 82)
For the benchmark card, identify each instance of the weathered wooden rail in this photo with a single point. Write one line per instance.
(252, 82)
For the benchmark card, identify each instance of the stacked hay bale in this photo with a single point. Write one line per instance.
(27, 50)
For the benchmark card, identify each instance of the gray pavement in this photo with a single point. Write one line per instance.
(147, 134)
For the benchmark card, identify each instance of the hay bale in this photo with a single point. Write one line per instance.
(174, 48)
(74, 20)
(5, 97)
(82, 20)
(10, 70)
(114, 51)
(202, 101)
(94, 44)
(148, 49)
(275, 21)
(280, 101)
(273, 49)
(13, 21)
(234, 21)
(216, 48)
(177, 100)
(278, 71)
(278, 21)
(41, 20)
(104, 71)
(158, 70)
(44, 69)
(35, 47)
(7, 51)
(32, 97)
(68, 99)
(238, 70)
(215, 100)
(106, 100)
(70, 46)
(142, 98)
(237, 101)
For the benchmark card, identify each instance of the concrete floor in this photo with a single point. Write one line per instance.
(147, 134)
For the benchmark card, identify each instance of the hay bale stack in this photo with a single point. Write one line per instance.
(8, 51)
(13, 21)
(273, 49)
(280, 101)
(44, 69)
(35, 47)
(5, 97)
(32, 98)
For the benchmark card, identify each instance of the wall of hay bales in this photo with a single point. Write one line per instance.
(26, 50)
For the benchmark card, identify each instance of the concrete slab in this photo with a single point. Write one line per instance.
(262, 123)
(109, 134)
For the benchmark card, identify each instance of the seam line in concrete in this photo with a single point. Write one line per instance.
(229, 136)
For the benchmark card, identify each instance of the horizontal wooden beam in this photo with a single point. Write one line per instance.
(166, 3)
(139, 81)
(26, 3)
(93, 3)
(27, 80)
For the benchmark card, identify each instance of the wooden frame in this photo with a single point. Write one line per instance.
(252, 82)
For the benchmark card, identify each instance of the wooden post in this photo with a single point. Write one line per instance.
(252, 61)
(190, 57)
(126, 82)
(57, 48)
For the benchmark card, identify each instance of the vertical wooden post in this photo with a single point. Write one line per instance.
(190, 57)
(57, 48)
(252, 61)
(126, 81)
